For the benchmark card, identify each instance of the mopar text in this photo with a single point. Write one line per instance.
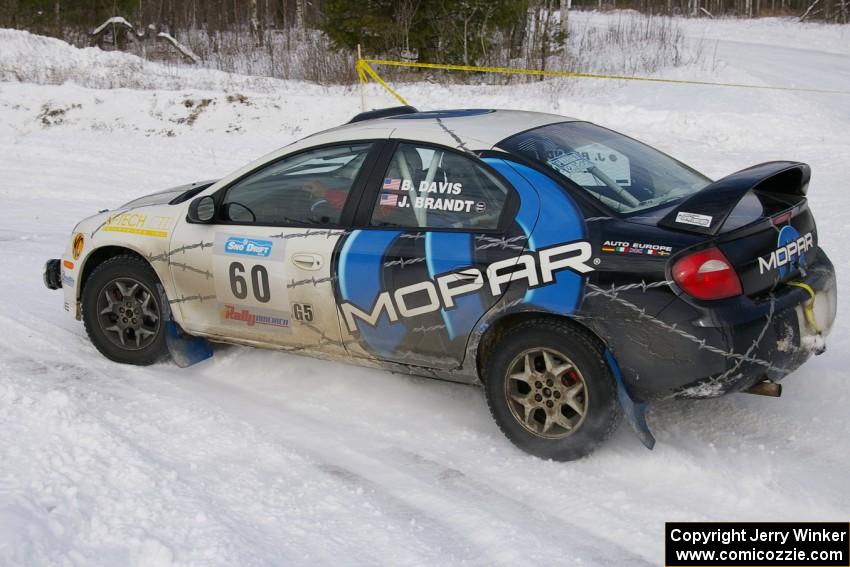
(431, 295)
(786, 254)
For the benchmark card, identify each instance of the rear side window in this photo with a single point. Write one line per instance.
(620, 172)
(309, 188)
(427, 187)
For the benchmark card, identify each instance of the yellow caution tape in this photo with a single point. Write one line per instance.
(364, 71)
(809, 306)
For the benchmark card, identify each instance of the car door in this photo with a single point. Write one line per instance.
(261, 271)
(411, 280)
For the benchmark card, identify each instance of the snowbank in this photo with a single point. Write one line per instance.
(30, 58)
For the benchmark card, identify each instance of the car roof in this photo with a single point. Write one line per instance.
(467, 129)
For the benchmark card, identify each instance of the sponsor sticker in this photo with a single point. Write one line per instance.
(538, 268)
(139, 224)
(628, 247)
(67, 280)
(695, 219)
(248, 271)
(248, 246)
(790, 252)
(250, 317)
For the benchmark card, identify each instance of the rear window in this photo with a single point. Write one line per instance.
(620, 172)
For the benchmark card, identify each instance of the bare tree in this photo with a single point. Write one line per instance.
(404, 15)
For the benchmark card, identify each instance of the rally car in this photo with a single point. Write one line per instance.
(575, 272)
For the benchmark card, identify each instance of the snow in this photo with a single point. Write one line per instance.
(263, 458)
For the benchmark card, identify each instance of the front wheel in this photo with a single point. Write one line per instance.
(122, 311)
(551, 391)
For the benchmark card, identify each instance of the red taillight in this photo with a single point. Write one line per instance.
(707, 274)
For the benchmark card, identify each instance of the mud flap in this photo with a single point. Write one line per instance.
(185, 350)
(635, 412)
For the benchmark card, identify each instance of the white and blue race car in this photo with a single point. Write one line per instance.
(574, 272)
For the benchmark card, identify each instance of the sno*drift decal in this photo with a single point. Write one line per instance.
(427, 296)
(248, 246)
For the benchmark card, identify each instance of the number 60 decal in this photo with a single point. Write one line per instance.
(259, 282)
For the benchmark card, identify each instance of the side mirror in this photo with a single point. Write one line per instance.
(201, 210)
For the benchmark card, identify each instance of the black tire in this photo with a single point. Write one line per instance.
(104, 285)
(566, 346)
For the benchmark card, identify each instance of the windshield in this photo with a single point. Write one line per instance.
(622, 173)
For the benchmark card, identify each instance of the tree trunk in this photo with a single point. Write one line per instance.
(255, 24)
(564, 23)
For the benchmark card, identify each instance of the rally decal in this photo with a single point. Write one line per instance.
(250, 278)
(790, 253)
(416, 296)
(139, 224)
(537, 269)
(447, 251)
(563, 222)
(251, 317)
(630, 247)
(360, 269)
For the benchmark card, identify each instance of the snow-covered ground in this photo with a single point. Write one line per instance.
(262, 458)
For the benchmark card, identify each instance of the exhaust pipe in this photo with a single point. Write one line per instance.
(765, 388)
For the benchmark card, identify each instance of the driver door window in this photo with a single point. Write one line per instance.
(426, 187)
(307, 189)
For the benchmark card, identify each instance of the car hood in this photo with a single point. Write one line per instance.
(173, 195)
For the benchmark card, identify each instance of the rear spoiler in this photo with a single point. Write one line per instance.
(706, 212)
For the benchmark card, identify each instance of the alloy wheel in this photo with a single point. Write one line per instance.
(546, 393)
(128, 314)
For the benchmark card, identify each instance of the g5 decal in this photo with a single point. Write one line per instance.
(302, 312)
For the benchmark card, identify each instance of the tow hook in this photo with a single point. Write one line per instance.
(765, 388)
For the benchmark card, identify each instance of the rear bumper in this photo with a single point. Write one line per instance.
(52, 274)
(769, 337)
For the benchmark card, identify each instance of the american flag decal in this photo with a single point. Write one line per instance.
(389, 200)
(391, 184)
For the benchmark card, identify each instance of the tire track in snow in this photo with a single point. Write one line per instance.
(235, 532)
(464, 504)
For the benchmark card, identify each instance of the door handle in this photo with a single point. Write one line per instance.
(307, 261)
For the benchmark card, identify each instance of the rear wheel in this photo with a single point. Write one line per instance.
(550, 390)
(122, 311)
